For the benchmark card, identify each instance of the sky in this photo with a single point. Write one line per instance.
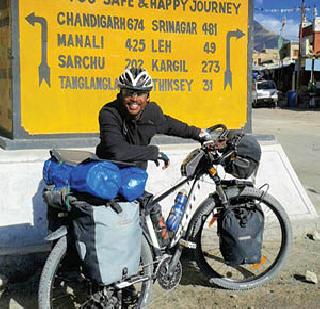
(273, 20)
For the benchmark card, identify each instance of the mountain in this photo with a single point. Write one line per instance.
(263, 38)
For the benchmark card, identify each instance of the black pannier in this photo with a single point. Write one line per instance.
(240, 231)
(246, 156)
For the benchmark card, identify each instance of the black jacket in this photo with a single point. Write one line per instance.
(126, 139)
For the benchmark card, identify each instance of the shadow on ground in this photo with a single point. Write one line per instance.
(21, 295)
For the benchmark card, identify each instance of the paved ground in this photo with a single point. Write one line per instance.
(299, 134)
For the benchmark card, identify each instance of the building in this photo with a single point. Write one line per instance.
(309, 59)
(265, 58)
(310, 38)
(289, 51)
(277, 65)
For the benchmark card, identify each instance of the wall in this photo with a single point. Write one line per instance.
(316, 43)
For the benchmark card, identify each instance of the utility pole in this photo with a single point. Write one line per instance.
(312, 80)
(303, 22)
(280, 46)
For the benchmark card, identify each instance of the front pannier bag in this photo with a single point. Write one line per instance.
(108, 240)
(240, 231)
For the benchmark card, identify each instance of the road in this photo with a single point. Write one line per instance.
(298, 132)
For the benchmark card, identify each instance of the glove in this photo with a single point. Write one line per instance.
(204, 135)
(162, 156)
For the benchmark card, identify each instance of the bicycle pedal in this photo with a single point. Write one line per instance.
(187, 244)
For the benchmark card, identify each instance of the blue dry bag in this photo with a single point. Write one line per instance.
(133, 183)
(100, 179)
(55, 173)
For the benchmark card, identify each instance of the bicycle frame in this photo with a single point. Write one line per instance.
(191, 201)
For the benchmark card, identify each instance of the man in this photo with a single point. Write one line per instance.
(126, 128)
(128, 123)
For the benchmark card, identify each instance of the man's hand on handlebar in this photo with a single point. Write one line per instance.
(204, 135)
(214, 133)
(162, 156)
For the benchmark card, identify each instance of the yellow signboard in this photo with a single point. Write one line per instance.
(72, 51)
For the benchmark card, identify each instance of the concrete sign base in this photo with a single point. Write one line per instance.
(23, 213)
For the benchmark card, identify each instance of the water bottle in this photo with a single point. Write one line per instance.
(177, 211)
(159, 225)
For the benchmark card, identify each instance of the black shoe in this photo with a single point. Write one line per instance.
(129, 295)
(73, 276)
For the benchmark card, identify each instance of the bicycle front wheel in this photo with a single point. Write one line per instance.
(277, 238)
(61, 289)
(56, 288)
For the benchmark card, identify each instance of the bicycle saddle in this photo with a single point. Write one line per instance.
(73, 157)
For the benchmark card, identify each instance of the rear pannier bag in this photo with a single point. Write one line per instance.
(245, 161)
(240, 231)
(108, 241)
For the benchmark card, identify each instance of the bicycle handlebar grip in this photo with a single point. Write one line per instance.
(162, 156)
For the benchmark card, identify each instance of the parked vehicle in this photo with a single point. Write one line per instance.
(264, 93)
(199, 232)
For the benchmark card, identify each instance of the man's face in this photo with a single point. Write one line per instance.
(134, 101)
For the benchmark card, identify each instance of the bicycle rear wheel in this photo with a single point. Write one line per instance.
(277, 238)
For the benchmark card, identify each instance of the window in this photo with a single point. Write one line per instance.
(266, 85)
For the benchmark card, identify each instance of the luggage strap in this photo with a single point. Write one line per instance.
(115, 206)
